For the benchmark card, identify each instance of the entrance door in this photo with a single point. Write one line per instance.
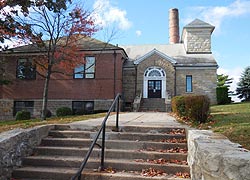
(154, 89)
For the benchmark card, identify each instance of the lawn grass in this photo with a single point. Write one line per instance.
(9, 125)
(232, 120)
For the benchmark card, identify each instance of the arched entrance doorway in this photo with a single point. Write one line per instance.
(154, 83)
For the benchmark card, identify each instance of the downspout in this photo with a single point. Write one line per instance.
(174, 80)
(115, 55)
(135, 80)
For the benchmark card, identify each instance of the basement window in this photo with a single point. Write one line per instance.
(83, 107)
(23, 105)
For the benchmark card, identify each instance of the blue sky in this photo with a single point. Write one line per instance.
(146, 22)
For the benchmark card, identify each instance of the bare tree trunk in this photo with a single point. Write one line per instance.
(45, 94)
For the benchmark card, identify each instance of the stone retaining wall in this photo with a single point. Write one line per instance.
(213, 157)
(16, 144)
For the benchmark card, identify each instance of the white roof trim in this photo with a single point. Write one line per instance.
(154, 51)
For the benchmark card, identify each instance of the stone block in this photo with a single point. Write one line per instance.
(213, 157)
(17, 144)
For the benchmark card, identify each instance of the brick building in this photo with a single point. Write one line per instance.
(141, 73)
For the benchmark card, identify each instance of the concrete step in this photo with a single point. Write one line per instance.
(138, 129)
(109, 153)
(133, 136)
(153, 109)
(130, 152)
(153, 104)
(115, 144)
(153, 130)
(118, 164)
(59, 173)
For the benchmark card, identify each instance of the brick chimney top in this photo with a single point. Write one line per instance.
(174, 36)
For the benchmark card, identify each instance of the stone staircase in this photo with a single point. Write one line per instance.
(134, 153)
(153, 104)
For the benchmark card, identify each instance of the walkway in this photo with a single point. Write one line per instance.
(156, 119)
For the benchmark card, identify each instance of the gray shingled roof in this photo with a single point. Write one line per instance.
(175, 51)
(85, 43)
(197, 23)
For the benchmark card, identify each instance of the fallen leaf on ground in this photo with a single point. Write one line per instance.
(152, 172)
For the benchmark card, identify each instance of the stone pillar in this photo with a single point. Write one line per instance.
(174, 36)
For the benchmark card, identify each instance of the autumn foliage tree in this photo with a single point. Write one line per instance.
(54, 28)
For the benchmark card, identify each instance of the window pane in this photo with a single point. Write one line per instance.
(79, 69)
(89, 76)
(90, 64)
(89, 106)
(78, 76)
(154, 73)
(158, 85)
(79, 72)
(150, 85)
(189, 87)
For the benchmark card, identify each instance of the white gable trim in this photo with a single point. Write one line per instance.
(155, 51)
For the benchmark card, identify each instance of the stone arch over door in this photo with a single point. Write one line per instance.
(154, 80)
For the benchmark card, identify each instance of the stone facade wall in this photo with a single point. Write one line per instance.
(17, 144)
(6, 109)
(156, 60)
(204, 82)
(129, 77)
(198, 40)
(7, 106)
(53, 105)
(213, 157)
(101, 105)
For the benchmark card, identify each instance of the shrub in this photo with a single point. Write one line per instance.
(197, 108)
(63, 111)
(222, 95)
(178, 105)
(194, 107)
(22, 115)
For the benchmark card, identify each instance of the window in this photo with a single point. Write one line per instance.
(87, 70)
(25, 69)
(189, 83)
(82, 107)
(23, 105)
(154, 73)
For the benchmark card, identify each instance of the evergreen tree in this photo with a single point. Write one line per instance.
(222, 90)
(243, 89)
(223, 80)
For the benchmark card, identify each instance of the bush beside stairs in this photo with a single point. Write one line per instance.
(134, 153)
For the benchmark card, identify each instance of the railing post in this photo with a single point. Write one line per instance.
(103, 131)
(103, 147)
(117, 113)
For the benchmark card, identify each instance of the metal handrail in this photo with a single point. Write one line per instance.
(102, 129)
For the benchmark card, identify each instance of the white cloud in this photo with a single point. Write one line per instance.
(217, 14)
(106, 14)
(138, 33)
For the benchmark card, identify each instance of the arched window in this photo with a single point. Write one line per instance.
(154, 72)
